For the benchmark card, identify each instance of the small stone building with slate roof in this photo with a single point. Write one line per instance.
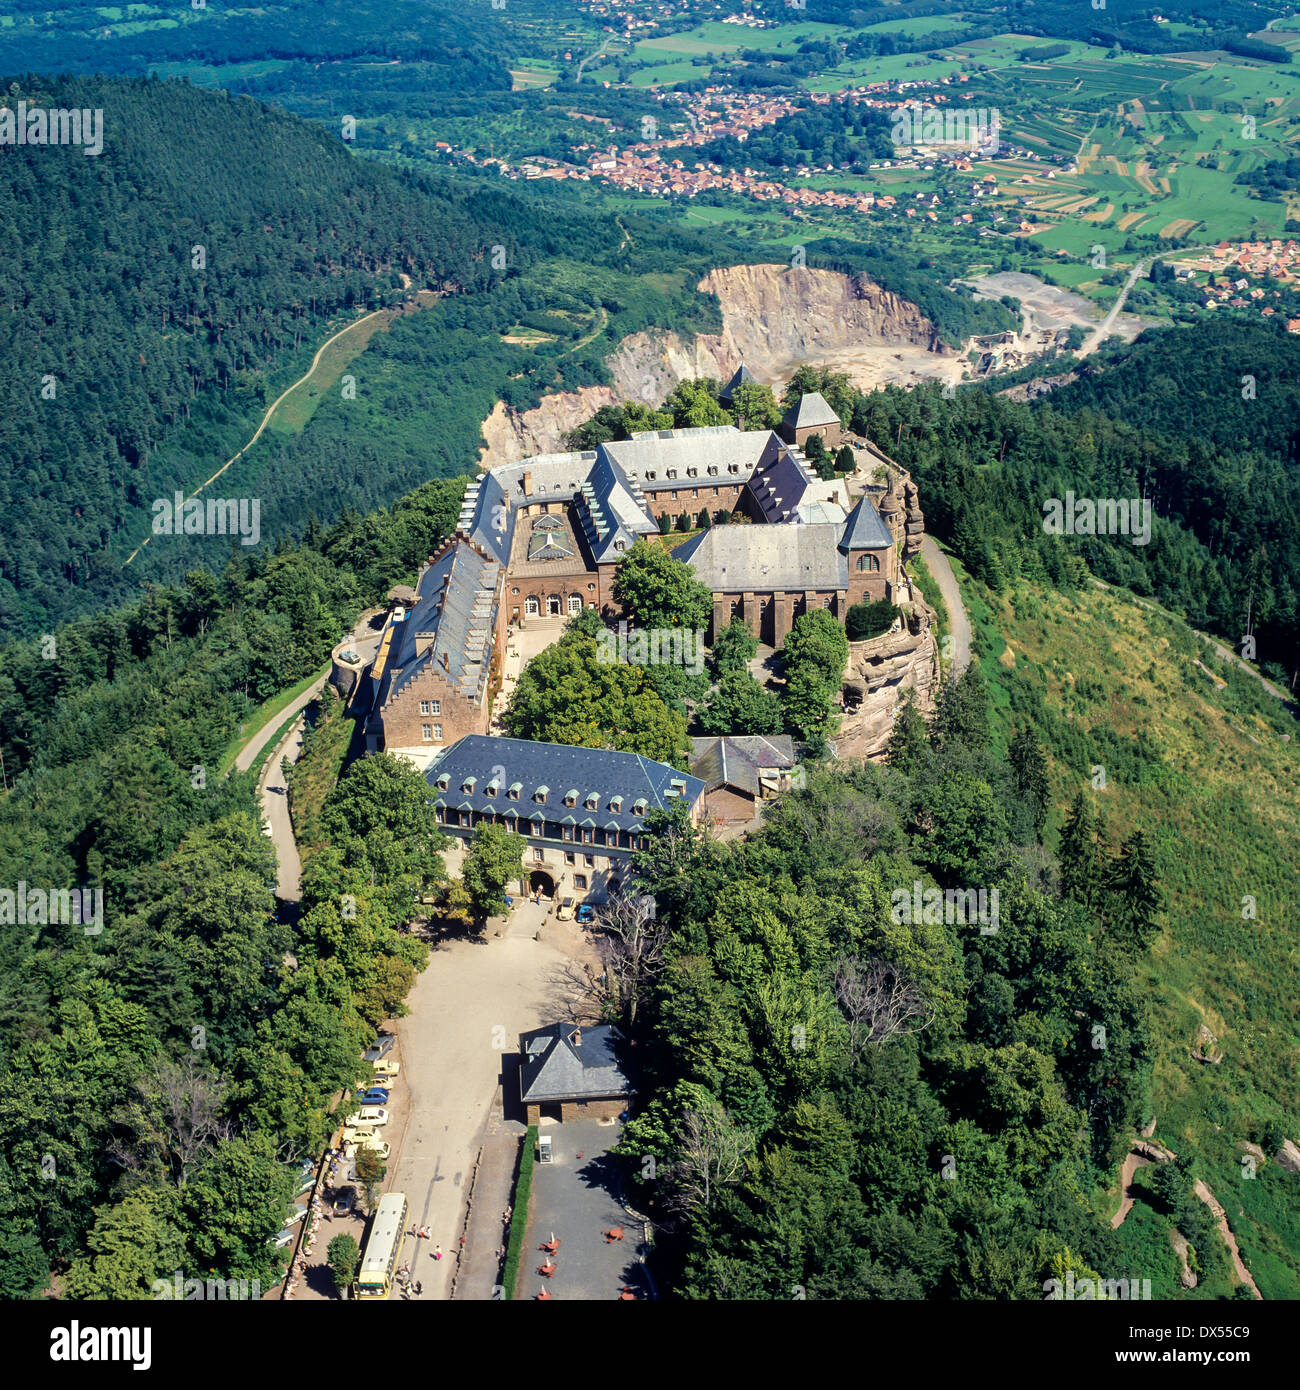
(811, 415)
(739, 771)
(568, 1072)
(582, 810)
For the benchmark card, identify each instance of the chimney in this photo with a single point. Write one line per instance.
(527, 482)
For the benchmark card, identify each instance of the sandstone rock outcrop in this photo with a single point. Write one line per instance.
(880, 674)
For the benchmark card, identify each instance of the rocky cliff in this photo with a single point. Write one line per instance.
(880, 673)
(774, 317)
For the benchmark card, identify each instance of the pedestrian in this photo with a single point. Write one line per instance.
(437, 1252)
(419, 1288)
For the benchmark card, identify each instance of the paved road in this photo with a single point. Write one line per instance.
(467, 1010)
(1098, 334)
(958, 623)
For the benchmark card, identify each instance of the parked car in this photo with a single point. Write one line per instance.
(377, 1145)
(586, 914)
(368, 1115)
(284, 1238)
(376, 1095)
(345, 1201)
(356, 1134)
(380, 1048)
(565, 909)
(387, 1072)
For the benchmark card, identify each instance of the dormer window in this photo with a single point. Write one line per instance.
(492, 788)
(692, 472)
(713, 470)
(571, 797)
(469, 784)
(639, 806)
(650, 475)
(672, 473)
(513, 791)
(733, 468)
(539, 795)
(593, 801)
(616, 804)
(444, 781)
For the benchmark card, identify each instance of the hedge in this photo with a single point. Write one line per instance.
(519, 1214)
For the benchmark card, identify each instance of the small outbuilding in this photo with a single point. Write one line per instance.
(570, 1072)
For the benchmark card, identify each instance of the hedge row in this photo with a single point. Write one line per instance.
(519, 1213)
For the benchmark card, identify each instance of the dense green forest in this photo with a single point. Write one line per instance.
(1202, 424)
(171, 1070)
(853, 1100)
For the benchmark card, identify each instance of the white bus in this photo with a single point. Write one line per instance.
(384, 1248)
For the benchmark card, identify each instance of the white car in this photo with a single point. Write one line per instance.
(359, 1134)
(368, 1115)
(375, 1145)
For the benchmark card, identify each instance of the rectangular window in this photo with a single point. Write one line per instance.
(568, 857)
(538, 855)
(535, 828)
(591, 860)
(580, 880)
(424, 707)
(587, 837)
(437, 733)
(437, 707)
(426, 731)
(568, 832)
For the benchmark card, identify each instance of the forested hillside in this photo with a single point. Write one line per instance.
(173, 1066)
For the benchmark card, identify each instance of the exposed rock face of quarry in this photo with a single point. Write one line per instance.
(774, 317)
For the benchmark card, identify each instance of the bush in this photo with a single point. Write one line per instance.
(519, 1214)
(867, 620)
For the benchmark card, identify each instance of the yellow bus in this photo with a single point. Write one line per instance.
(384, 1248)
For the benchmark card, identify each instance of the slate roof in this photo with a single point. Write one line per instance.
(865, 529)
(612, 510)
(735, 761)
(811, 412)
(558, 768)
(781, 483)
(742, 375)
(649, 456)
(565, 1062)
(457, 596)
(763, 559)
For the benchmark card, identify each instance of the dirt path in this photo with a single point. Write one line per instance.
(1221, 1220)
(1132, 1162)
(958, 622)
(274, 406)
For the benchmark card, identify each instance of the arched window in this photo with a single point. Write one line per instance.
(868, 562)
(575, 603)
(532, 608)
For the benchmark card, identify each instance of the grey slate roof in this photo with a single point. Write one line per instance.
(779, 485)
(612, 511)
(648, 458)
(565, 1062)
(763, 559)
(742, 375)
(811, 412)
(455, 608)
(865, 529)
(557, 767)
(735, 761)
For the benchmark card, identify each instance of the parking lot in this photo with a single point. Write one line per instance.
(467, 1010)
(575, 1199)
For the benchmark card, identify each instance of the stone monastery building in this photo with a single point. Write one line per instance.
(541, 539)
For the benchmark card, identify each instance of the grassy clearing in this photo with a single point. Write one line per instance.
(1209, 774)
